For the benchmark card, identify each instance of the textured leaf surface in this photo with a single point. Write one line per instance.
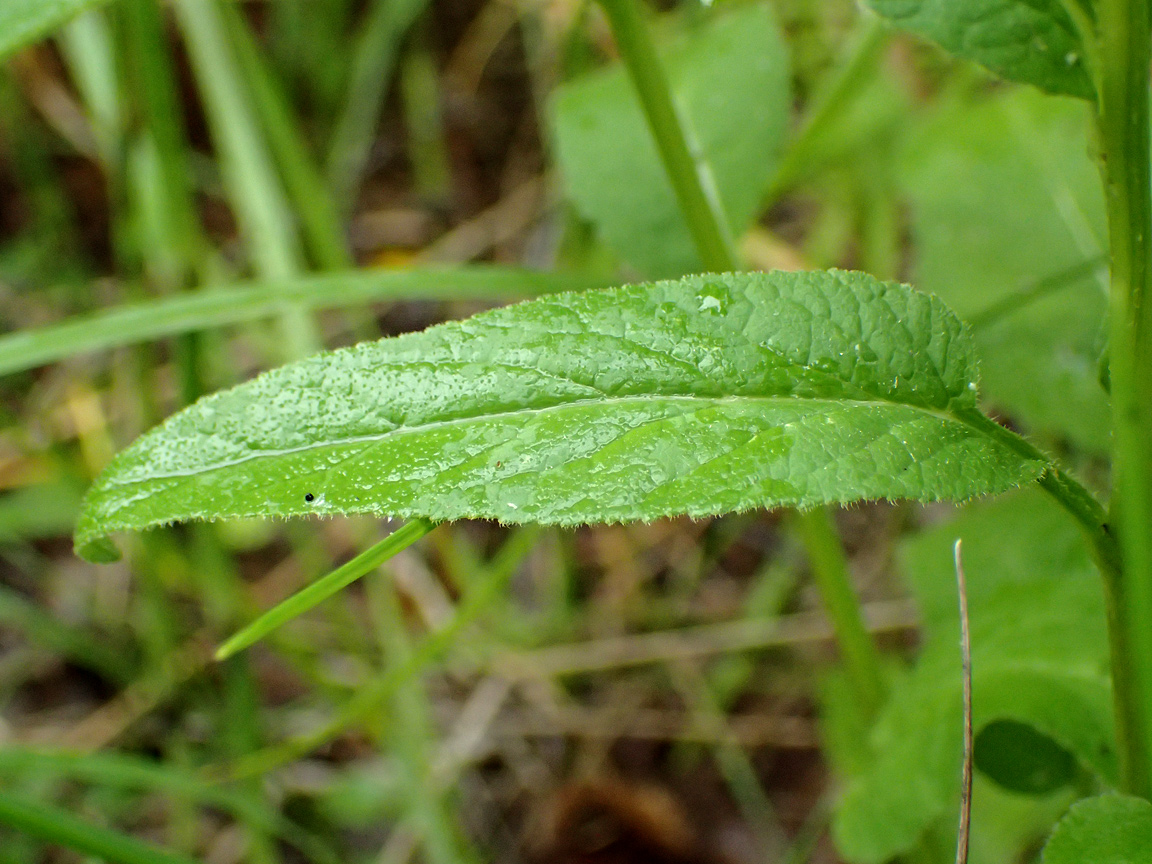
(707, 395)
(731, 81)
(1032, 41)
(981, 178)
(1039, 659)
(1107, 829)
(24, 21)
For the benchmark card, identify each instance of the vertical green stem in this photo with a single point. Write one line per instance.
(689, 174)
(700, 205)
(174, 250)
(427, 145)
(830, 570)
(87, 47)
(154, 82)
(1123, 27)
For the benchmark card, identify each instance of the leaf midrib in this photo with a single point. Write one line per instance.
(561, 406)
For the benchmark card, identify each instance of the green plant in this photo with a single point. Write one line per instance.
(728, 391)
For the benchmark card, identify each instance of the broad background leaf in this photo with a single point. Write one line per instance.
(707, 395)
(1032, 41)
(1107, 829)
(731, 78)
(1039, 657)
(24, 21)
(981, 177)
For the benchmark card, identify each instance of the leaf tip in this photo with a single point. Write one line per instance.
(97, 550)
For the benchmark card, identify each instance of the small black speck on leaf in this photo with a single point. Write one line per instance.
(309, 497)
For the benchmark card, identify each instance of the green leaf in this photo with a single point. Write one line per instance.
(711, 394)
(1003, 823)
(1107, 829)
(1039, 660)
(22, 22)
(1032, 41)
(981, 176)
(609, 160)
(1021, 759)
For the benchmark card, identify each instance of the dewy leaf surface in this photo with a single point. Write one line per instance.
(1032, 41)
(706, 395)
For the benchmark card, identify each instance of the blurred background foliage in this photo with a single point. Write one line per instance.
(194, 191)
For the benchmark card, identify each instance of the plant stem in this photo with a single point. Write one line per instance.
(1123, 117)
(1076, 500)
(691, 179)
(155, 83)
(830, 570)
(689, 174)
(1046, 286)
(850, 80)
(411, 734)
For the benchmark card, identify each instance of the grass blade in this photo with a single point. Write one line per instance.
(58, 826)
(254, 190)
(319, 221)
(131, 773)
(142, 322)
(323, 588)
(372, 68)
(428, 813)
(488, 585)
(151, 73)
